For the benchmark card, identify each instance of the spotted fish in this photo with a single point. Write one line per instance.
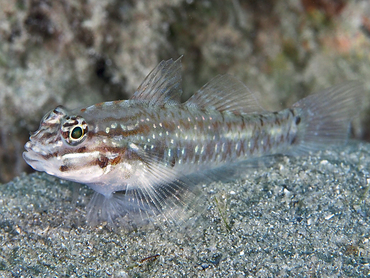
(139, 154)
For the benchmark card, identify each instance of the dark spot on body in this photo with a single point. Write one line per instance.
(63, 168)
(103, 162)
(297, 120)
(81, 150)
(173, 162)
(116, 160)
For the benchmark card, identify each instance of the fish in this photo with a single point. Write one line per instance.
(143, 156)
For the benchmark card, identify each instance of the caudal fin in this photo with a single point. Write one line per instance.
(326, 116)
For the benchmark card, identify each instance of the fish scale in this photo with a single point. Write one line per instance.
(141, 155)
(202, 137)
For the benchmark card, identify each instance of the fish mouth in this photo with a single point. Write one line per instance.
(32, 157)
(29, 157)
(29, 151)
(32, 161)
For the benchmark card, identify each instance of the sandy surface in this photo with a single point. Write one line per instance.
(306, 216)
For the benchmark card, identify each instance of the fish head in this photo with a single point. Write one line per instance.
(67, 146)
(60, 147)
(59, 134)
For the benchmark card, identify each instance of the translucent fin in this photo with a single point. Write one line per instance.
(163, 195)
(324, 118)
(160, 194)
(167, 190)
(116, 210)
(162, 85)
(226, 93)
(154, 203)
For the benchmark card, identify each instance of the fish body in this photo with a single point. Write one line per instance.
(137, 154)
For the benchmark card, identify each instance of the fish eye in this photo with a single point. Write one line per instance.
(74, 130)
(76, 133)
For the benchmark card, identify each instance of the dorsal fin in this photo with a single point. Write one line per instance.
(226, 93)
(162, 85)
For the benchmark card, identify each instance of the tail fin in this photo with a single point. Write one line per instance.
(326, 116)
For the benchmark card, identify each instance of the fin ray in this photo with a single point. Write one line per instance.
(326, 116)
(162, 194)
(226, 93)
(162, 85)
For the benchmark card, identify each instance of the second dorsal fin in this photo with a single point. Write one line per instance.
(162, 85)
(225, 93)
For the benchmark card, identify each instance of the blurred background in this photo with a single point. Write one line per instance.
(78, 53)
